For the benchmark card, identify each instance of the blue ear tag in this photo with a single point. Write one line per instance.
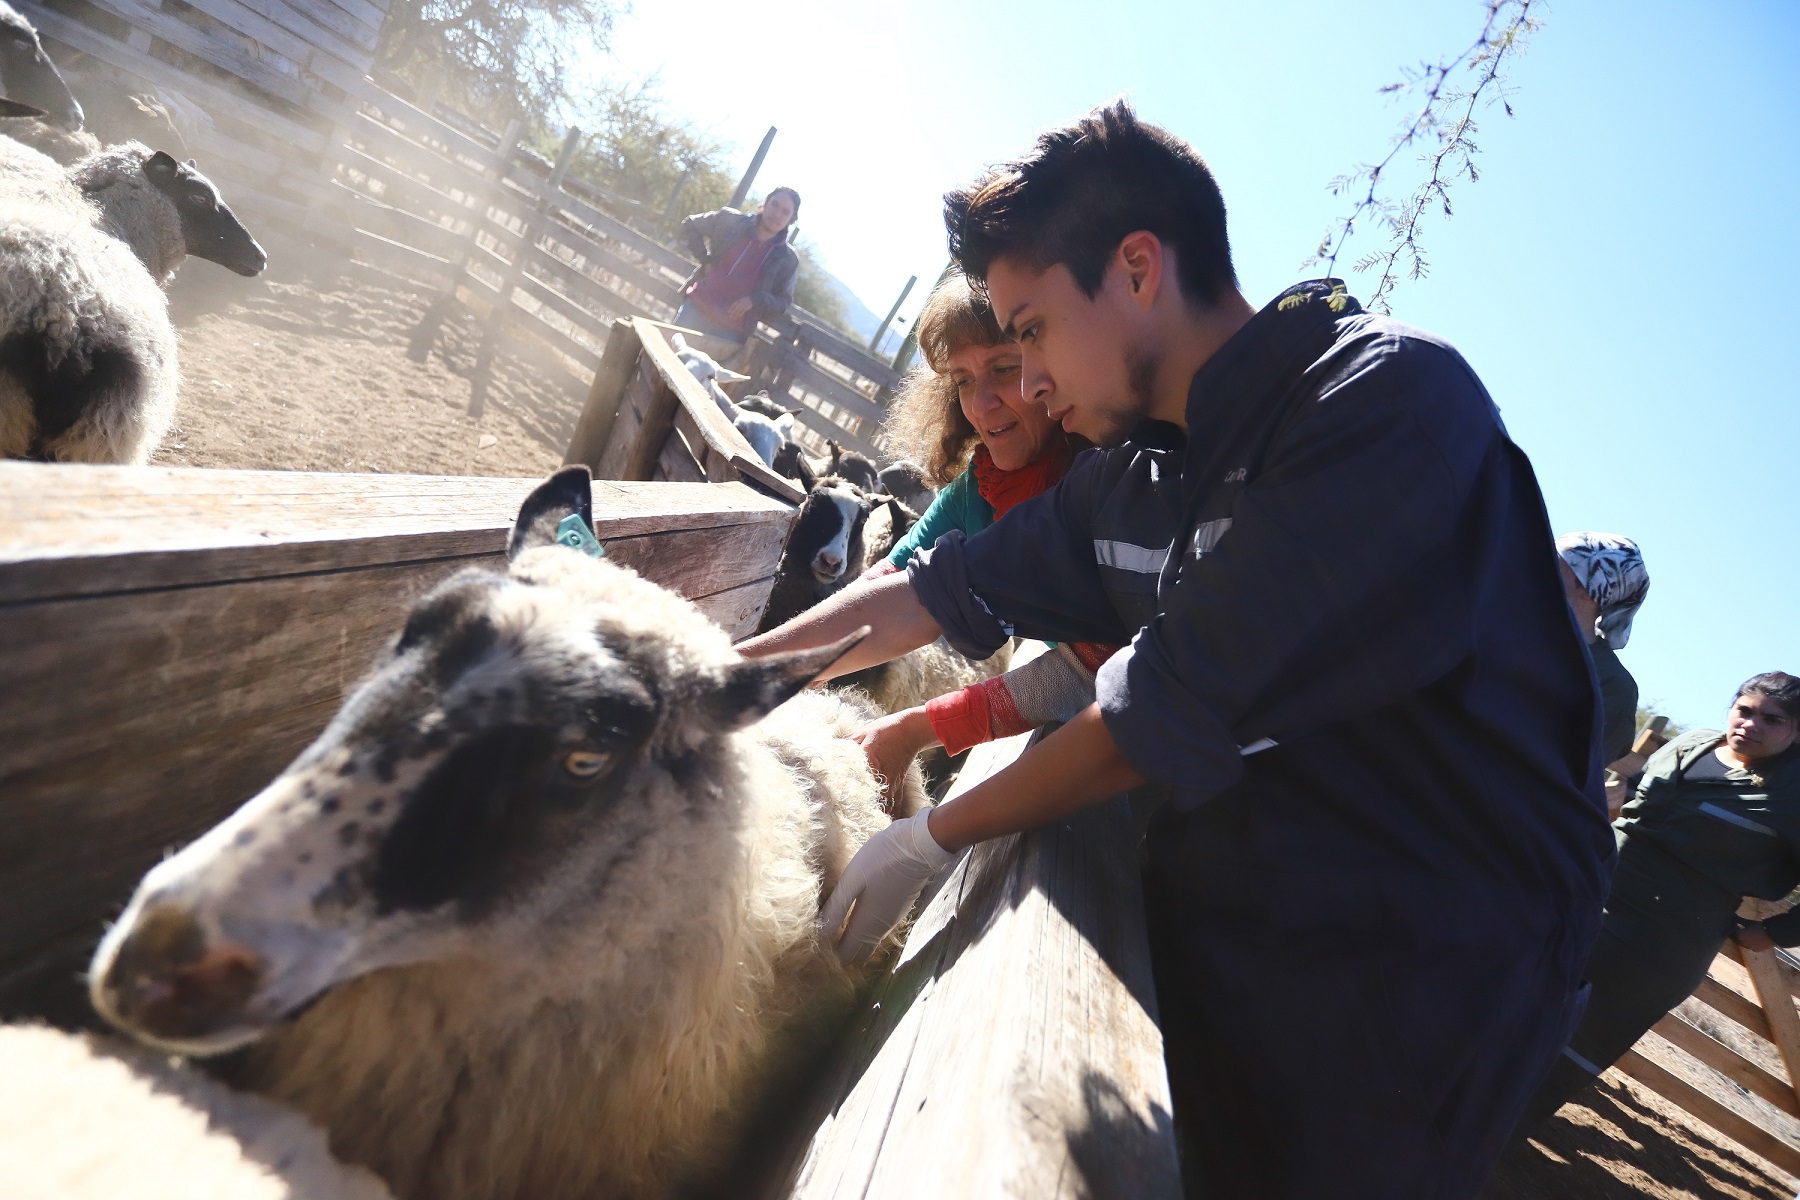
(574, 533)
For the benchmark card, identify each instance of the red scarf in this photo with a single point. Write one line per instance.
(1006, 490)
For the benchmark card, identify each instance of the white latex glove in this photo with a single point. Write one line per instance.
(883, 880)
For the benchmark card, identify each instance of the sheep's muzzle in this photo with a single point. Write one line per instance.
(168, 984)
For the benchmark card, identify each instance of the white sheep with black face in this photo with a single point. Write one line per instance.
(88, 367)
(534, 916)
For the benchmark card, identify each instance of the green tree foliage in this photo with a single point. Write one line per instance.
(496, 59)
(637, 149)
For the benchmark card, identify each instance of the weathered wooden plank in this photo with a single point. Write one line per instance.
(225, 55)
(1733, 1006)
(1692, 1100)
(720, 434)
(597, 253)
(400, 259)
(1728, 1062)
(214, 98)
(79, 529)
(823, 425)
(316, 26)
(738, 609)
(812, 333)
(677, 461)
(808, 377)
(396, 224)
(605, 394)
(405, 188)
(641, 402)
(1771, 989)
(1014, 1050)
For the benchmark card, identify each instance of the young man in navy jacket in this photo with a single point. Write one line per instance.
(1386, 850)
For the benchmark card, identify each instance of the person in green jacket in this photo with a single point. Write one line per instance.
(1716, 818)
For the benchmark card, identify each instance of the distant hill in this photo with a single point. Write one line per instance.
(863, 320)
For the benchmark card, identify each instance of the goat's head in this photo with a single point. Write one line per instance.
(828, 532)
(515, 766)
(28, 76)
(209, 228)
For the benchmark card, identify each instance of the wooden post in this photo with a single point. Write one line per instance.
(875, 342)
(425, 333)
(1772, 991)
(534, 221)
(594, 427)
(743, 188)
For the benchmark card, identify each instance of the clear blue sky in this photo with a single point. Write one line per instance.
(1621, 276)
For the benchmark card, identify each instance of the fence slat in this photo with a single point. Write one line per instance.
(1687, 1097)
(1728, 1062)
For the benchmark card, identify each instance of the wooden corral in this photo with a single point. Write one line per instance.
(169, 639)
(647, 417)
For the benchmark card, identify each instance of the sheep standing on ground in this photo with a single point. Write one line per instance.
(87, 353)
(534, 916)
(88, 1118)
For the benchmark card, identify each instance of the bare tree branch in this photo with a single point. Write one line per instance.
(1447, 114)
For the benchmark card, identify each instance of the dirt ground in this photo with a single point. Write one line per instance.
(1623, 1142)
(306, 368)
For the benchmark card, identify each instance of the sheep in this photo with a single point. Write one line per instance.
(857, 468)
(535, 915)
(905, 482)
(792, 461)
(28, 76)
(87, 353)
(86, 1118)
(765, 434)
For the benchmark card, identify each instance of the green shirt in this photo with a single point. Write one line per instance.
(959, 506)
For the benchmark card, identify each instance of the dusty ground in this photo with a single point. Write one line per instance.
(1622, 1142)
(306, 368)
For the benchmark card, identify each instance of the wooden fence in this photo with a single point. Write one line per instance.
(170, 638)
(279, 105)
(647, 418)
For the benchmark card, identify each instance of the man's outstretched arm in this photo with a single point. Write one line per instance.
(887, 605)
(1067, 771)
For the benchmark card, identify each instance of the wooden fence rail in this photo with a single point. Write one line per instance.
(1727, 1056)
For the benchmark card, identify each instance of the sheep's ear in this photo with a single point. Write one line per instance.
(678, 343)
(569, 491)
(726, 375)
(16, 108)
(753, 687)
(161, 167)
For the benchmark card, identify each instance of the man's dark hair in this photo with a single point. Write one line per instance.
(1081, 190)
(1779, 686)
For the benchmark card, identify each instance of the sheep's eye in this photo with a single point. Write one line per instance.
(585, 764)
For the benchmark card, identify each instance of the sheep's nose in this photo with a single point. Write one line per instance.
(167, 982)
(829, 563)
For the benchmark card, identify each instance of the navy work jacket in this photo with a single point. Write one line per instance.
(1363, 571)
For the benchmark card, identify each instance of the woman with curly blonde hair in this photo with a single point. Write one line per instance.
(965, 418)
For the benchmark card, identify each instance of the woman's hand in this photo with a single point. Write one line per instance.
(892, 742)
(1755, 937)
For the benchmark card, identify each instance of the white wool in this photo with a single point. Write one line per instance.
(85, 1118)
(79, 292)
